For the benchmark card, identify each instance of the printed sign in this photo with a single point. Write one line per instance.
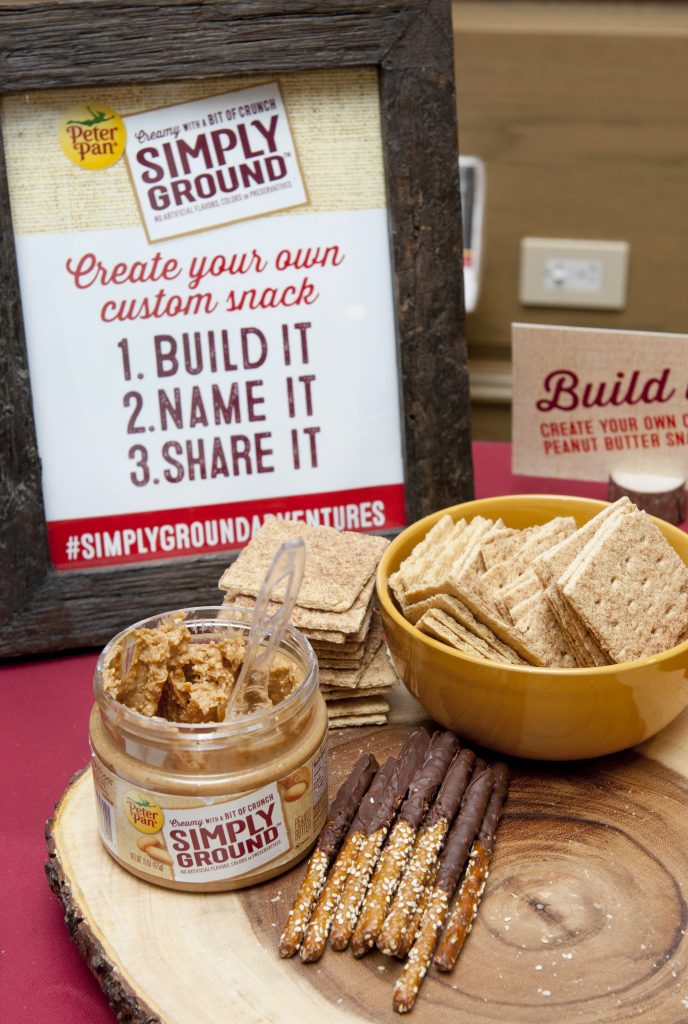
(588, 403)
(210, 162)
(199, 365)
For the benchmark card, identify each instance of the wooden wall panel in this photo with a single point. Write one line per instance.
(581, 114)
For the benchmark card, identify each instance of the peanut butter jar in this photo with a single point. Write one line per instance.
(214, 805)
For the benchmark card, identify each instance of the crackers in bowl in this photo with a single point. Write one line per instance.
(611, 591)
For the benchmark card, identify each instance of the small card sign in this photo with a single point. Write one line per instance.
(213, 161)
(588, 403)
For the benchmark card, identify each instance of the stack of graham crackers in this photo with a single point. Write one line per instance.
(612, 591)
(335, 609)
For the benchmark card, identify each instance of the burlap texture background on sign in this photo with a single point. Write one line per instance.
(334, 117)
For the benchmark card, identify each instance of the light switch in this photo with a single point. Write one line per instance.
(573, 272)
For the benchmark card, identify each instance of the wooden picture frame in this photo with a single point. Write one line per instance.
(45, 45)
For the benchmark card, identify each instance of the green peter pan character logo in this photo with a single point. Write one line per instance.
(92, 136)
(143, 813)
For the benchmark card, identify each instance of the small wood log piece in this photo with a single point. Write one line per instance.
(376, 823)
(459, 842)
(402, 837)
(658, 495)
(430, 841)
(473, 884)
(342, 812)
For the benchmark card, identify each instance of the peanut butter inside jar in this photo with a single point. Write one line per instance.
(184, 798)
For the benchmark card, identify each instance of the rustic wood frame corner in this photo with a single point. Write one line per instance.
(45, 45)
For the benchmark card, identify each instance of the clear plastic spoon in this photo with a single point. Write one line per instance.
(251, 690)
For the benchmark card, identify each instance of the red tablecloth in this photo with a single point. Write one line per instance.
(46, 702)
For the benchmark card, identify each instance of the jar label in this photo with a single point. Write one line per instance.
(192, 840)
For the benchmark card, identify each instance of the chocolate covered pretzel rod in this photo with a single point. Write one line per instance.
(375, 821)
(430, 839)
(409, 936)
(342, 812)
(315, 937)
(402, 837)
(464, 913)
(459, 841)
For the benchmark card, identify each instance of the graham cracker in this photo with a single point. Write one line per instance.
(442, 626)
(423, 553)
(339, 707)
(463, 615)
(472, 566)
(551, 567)
(547, 535)
(438, 566)
(588, 551)
(465, 564)
(453, 552)
(378, 674)
(334, 693)
(325, 647)
(351, 677)
(502, 610)
(587, 651)
(363, 658)
(534, 618)
(305, 619)
(350, 721)
(526, 586)
(507, 633)
(333, 661)
(630, 589)
(380, 671)
(501, 577)
(551, 564)
(338, 563)
(331, 636)
(504, 545)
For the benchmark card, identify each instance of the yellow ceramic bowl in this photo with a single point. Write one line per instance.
(544, 713)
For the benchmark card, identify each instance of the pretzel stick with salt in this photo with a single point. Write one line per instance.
(344, 807)
(430, 841)
(411, 932)
(376, 822)
(402, 837)
(473, 885)
(315, 937)
(454, 855)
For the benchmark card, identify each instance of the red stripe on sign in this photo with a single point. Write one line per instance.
(171, 533)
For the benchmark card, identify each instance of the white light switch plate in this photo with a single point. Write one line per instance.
(573, 272)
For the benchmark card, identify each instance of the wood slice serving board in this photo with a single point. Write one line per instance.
(584, 917)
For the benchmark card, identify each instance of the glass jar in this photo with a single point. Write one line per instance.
(219, 805)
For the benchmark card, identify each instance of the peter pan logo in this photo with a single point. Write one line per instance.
(144, 814)
(92, 136)
(213, 161)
